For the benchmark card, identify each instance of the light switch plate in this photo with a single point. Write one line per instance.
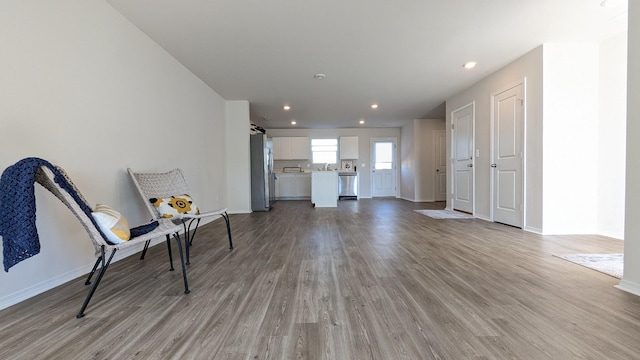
(477, 153)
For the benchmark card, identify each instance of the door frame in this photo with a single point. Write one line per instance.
(372, 160)
(435, 135)
(523, 82)
(451, 169)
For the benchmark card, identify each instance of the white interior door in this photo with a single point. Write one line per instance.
(383, 167)
(462, 158)
(508, 155)
(440, 153)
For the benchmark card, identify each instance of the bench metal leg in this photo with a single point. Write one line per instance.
(169, 250)
(93, 271)
(188, 236)
(184, 268)
(188, 230)
(103, 269)
(144, 251)
(226, 219)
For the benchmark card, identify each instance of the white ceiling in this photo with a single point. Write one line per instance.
(405, 55)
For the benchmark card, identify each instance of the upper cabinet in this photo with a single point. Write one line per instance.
(291, 148)
(300, 148)
(349, 147)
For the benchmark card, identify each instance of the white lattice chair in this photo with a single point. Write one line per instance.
(168, 184)
(166, 228)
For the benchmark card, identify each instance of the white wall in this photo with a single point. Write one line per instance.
(417, 161)
(612, 120)
(408, 161)
(528, 66)
(238, 170)
(425, 164)
(84, 88)
(631, 280)
(364, 147)
(573, 136)
(570, 139)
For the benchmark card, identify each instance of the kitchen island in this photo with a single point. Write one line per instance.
(324, 188)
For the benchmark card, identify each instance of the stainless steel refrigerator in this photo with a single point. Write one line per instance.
(262, 177)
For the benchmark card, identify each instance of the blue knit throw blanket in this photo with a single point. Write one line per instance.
(18, 210)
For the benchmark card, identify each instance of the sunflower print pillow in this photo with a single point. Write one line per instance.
(175, 207)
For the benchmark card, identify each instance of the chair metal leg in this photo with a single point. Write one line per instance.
(103, 269)
(189, 236)
(184, 268)
(226, 219)
(186, 240)
(193, 234)
(170, 255)
(93, 271)
(144, 251)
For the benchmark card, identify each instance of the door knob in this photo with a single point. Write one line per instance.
(494, 165)
(469, 165)
(437, 170)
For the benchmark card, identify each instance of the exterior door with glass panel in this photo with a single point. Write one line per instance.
(383, 169)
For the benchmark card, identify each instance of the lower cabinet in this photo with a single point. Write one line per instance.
(293, 186)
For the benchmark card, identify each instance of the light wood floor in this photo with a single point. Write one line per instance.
(371, 279)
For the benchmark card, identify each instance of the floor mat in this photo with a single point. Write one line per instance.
(610, 264)
(444, 214)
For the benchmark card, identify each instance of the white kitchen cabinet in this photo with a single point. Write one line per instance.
(300, 148)
(291, 148)
(278, 148)
(294, 186)
(349, 147)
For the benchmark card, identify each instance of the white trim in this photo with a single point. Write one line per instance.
(24, 294)
(451, 167)
(533, 230)
(628, 286)
(434, 137)
(240, 212)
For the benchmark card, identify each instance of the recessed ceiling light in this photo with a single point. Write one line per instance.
(293, 122)
(469, 65)
(361, 121)
(287, 107)
(374, 106)
(319, 76)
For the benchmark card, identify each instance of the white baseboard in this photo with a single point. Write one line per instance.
(628, 286)
(46, 285)
(533, 230)
(239, 212)
(24, 294)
